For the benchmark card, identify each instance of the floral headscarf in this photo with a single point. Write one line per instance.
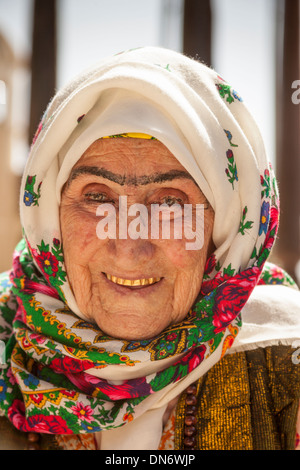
(61, 374)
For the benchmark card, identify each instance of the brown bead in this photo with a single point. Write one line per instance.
(192, 389)
(189, 442)
(191, 400)
(190, 420)
(190, 410)
(189, 431)
(33, 437)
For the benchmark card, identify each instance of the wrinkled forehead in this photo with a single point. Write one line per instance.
(130, 160)
(120, 146)
(138, 152)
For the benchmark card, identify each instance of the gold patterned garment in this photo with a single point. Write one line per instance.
(249, 400)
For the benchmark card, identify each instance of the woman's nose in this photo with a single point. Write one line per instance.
(129, 250)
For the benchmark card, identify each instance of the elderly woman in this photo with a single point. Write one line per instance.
(118, 336)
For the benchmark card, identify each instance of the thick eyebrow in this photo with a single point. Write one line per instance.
(129, 180)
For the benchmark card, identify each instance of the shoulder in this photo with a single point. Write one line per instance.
(274, 298)
(270, 317)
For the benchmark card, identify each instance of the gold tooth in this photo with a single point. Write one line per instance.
(132, 283)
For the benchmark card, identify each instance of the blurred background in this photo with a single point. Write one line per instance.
(253, 44)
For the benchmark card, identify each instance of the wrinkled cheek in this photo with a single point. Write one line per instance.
(191, 253)
(181, 257)
(78, 234)
(78, 251)
(83, 241)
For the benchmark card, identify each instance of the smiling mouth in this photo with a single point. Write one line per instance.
(132, 282)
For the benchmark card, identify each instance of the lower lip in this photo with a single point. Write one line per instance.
(128, 290)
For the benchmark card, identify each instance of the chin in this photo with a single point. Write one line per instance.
(130, 327)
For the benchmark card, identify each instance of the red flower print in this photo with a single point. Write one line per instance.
(129, 389)
(83, 412)
(195, 357)
(229, 155)
(16, 413)
(47, 425)
(171, 337)
(56, 242)
(48, 263)
(232, 296)
(17, 270)
(210, 284)
(185, 365)
(37, 423)
(70, 365)
(273, 227)
(36, 337)
(210, 264)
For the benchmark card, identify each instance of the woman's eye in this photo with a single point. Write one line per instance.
(170, 200)
(96, 197)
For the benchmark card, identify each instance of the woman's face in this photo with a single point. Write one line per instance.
(132, 288)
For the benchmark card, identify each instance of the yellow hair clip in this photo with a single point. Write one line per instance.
(133, 135)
